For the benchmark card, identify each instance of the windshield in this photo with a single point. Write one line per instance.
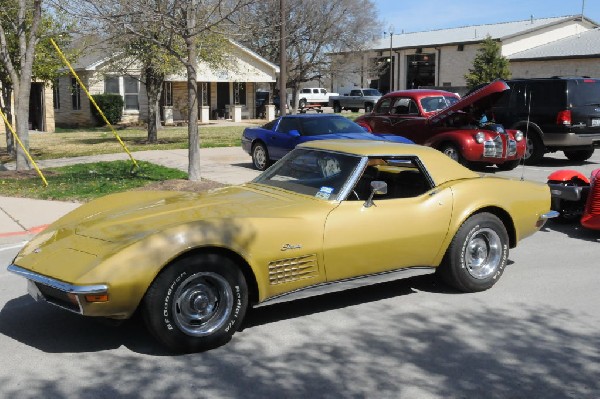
(371, 92)
(328, 125)
(436, 103)
(318, 173)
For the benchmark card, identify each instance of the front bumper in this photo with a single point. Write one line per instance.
(74, 298)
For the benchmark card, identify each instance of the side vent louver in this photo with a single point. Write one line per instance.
(293, 269)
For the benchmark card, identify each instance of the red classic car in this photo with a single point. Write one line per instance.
(457, 127)
(575, 197)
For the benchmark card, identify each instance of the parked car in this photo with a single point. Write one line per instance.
(192, 263)
(576, 197)
(557, 114)
(314, 95)
(455, 126)
(355, 100)
(273, 140)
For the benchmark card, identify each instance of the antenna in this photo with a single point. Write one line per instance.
(526, 133)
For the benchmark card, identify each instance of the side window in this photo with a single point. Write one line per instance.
(384, 106)
(403, 176)
(306, 91)
(288, 124)
(316, 91)
(547, 94)
(323, 91)
(404, 106)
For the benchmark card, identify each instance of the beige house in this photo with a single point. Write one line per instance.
(440, 58)
(229, 93)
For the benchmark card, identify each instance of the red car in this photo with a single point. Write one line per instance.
(575, 196)
(457, 127)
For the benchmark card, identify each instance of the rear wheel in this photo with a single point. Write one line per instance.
(477, 254)
(196, 303)
(302, 103)
(368, 108)
(579, 155)
(260, 156)
(535, 149)
(337, 108)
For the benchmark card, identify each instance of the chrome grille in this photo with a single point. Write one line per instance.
(593, 200)
(293, 269)
(512, 148)
(494, 148)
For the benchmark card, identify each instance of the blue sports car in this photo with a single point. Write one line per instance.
(273, 140)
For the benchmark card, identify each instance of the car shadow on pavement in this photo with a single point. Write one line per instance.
(343, 299)
(53, 330)
(573, 230)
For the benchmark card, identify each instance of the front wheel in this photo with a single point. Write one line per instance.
(196, 303)
(534, 150)
(302, 103)
(337, 108)
(260, 156)
(579, 155)
(477, 254)
(452, 151)
(368, 108)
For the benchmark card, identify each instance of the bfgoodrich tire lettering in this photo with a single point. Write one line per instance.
(196, 303)
(477, 254)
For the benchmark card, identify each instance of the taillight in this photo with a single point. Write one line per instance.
(563, 117)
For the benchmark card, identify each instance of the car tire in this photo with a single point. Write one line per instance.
(302, 103)
(260, 156)
(368, 108)
(579, 155)
(196, 303)
(477, 254)
(337, 108)
(508, 165)
(534, 149)
(453, 152)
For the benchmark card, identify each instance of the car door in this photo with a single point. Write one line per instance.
(397, 231)
(281, 141)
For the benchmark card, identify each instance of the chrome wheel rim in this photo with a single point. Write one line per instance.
(483, 253)
(528, 148)
(260, 157)
(451, 152)
(202, 304)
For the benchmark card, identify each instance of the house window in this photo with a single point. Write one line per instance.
(55, 94)
(461, 47)
(111, 84)
(168, 94)
(75, 94)
(132, 88)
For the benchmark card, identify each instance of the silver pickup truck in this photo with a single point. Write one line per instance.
(358, 98)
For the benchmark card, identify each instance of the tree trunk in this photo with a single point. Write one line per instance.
(7, 110)
(22, 92)
(154, 81)
(193, 134)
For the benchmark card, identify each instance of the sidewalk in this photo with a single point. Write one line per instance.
(20, 218)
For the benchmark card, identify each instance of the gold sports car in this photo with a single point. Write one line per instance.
(329, 211)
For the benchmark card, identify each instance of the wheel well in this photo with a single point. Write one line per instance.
(533, 128)
(234, 257)
(258, 141)
(506, 220)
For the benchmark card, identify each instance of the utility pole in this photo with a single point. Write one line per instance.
(282, 60)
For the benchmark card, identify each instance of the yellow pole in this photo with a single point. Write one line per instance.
(62, 56)
(23, 147)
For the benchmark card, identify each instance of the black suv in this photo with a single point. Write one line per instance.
(556, 114)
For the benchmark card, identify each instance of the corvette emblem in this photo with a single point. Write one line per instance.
(287, 247)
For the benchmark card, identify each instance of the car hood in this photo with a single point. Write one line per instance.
(130, 216)
(476, 102)
(361, 136)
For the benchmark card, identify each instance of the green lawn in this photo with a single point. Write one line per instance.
(83, 182)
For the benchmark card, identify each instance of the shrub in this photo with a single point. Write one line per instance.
(112, 107)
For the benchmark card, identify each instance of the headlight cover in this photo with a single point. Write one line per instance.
(519, 135)
(480, 137)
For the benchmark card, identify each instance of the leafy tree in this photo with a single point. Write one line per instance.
(488, 65)
(25, 54)
(189, 31)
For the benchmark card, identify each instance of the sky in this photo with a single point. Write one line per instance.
(421, 15)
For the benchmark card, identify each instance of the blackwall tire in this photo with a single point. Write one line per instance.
(302, 103)
(534, 149)
(260, 156)
(477, 255)
(579, 155)
(197, 303)
(368, 108)
(337, 108)
(453, 152)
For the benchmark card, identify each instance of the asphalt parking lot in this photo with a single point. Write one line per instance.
(533, 335)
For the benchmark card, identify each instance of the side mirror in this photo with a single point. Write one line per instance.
(294, 133)
(378, 187)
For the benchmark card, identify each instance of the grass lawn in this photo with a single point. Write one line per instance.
(84, 182)
(73, 143)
